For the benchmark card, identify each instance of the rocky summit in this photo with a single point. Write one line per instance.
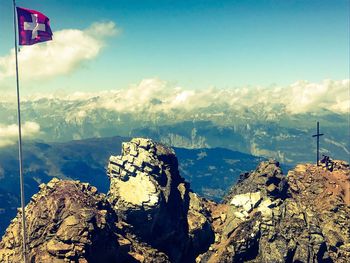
(268, 217)
(150, 214)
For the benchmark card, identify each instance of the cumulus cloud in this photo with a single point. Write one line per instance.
(155, 95)
(158, 96)
(70, 48)
(307, 97)
(9, 133)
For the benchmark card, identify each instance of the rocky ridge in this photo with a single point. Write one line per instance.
(268, 217)
(151, 215)
(69, 221)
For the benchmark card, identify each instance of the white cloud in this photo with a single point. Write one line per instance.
(307, 97)
(9, 133)
(68, 50)
(157, 96)
(154, 95)
(100, 30)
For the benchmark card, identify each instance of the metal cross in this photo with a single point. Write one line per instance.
(318, 135)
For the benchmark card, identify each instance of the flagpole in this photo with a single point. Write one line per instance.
(20, 153)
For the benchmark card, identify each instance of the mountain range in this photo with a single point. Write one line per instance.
(270, 122)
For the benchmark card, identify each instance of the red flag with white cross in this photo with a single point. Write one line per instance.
(33, 27)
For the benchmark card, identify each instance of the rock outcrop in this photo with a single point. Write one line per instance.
(267, 179)
(148, 193)
(69, 221)
(323, 199)
(303, 217)
(65, 220)
(151, 215)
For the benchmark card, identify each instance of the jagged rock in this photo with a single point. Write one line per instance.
(324, 197)
(199, 227)
(66, 220)
(247, 201)
(148, 193)
(138, 251)
(69, 221)
(144, 193)
(268, 179)
(305, 222)
(151, 215)
(149, 208)
(248, 207)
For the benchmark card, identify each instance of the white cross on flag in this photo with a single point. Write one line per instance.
(33, 27)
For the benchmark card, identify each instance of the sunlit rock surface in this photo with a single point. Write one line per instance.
(151, 215)
(304, 219)
(148, 193)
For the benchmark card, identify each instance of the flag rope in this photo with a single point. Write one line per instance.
(20, 152)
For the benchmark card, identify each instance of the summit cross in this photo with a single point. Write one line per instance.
(318, 135)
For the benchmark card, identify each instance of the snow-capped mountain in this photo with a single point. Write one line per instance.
(272, 122)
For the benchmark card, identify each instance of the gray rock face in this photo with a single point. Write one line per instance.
(69, 221)
(199, 227)
(302, 221)
(144, 175)
(66, 221)
(148, 193)
(268, 179)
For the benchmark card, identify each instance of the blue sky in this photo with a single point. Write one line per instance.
(198, 44)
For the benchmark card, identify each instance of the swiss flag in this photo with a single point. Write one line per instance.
(33, 27)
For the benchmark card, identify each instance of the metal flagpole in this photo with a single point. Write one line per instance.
(318, 144)
(20, 154)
